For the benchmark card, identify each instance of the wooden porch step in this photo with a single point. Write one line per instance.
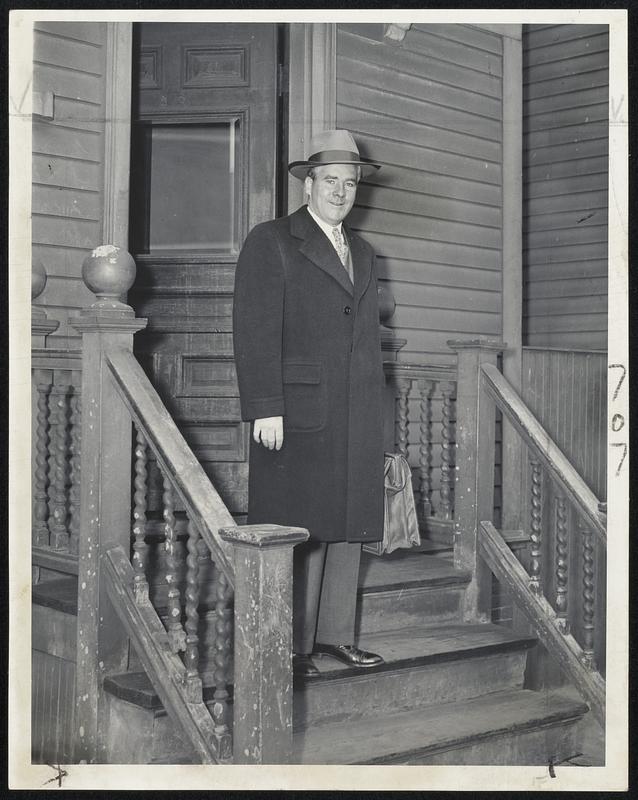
(404, 588)
(424, 665)
(405, 652)
(514, 727)
(60, 594)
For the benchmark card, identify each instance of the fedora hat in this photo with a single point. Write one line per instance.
(331, 147)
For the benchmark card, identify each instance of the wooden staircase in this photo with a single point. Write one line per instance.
(449, 692)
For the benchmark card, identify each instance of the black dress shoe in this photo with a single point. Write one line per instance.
(349, 654)
(302, 665)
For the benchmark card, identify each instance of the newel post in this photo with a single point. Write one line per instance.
(41, 327)
(105, 507)
(474, 479)
(262, 726)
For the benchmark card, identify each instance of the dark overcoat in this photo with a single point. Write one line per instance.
(307, 348)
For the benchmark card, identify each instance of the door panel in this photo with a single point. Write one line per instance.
(203, 174)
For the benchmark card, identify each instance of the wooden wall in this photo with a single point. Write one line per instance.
(52, 709)
(53, 635)
(68, 164)
(430, 110)
(567, 392)
(565, 105)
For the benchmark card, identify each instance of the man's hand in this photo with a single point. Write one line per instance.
(270, 432)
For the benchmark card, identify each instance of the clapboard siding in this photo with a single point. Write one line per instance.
(68, 164)
(424, 276)
(430, 111)
(565, 119)
(417, 167)
(52, 709)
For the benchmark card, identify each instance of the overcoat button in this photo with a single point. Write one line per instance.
(346, 309)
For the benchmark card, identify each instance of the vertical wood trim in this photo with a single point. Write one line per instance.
(117, 133)
(323, 77)
(312, 92)
(474, 474)
(512, 266)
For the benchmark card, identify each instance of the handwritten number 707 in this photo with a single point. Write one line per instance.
(618, 420)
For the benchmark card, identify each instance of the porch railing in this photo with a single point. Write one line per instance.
(428, 440)
(556, 589)
(234, 569)
(56, 434)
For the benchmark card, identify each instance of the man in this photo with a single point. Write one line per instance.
(308, 356)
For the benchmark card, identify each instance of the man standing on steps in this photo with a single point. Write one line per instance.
(308, 357)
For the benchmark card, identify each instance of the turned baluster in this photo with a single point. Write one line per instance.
(76, 469)
(426, 389)
(40, 531)
(228, 633)
(445, 508)
(589, 595)
(191, 656)
(140, 548)
(562, 560)
(204, 564)
(222, 658)
(403, 415)
(58, 507)
(176, 632)
(536, 528)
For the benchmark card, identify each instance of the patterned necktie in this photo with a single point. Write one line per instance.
(342, 249)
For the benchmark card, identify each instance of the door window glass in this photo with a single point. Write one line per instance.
(190, 177)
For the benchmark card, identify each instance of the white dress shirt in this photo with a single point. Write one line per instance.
(327, 229)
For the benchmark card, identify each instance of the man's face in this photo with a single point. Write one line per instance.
(332, 192)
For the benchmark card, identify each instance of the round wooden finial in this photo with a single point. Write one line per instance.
(109, 271)
(38, 279)
(387, 304)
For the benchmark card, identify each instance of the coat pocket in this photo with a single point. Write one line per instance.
(304, 396)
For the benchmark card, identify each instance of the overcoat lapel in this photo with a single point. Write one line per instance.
(316, 247)
(361, 264)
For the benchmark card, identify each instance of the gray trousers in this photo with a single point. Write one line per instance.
(324, 593)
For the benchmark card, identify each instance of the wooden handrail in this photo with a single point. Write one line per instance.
(544, 448)
(200, 498)
(508, 570)
(433, 372)
(164, 668)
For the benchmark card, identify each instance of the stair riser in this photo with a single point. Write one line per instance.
(138, 735)
(527, 748)
(396, 609)
(54, 632)
(389, 692)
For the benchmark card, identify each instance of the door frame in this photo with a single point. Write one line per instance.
(312, 69)
(117, 134)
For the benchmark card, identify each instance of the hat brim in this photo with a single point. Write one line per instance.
(299, 169)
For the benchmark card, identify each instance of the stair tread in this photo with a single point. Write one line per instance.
(434, 728)
(425, 644)
(405, 568)
(429, 547)
(404, 649)
(60, 594)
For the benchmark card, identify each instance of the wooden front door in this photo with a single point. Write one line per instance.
(203, 173)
